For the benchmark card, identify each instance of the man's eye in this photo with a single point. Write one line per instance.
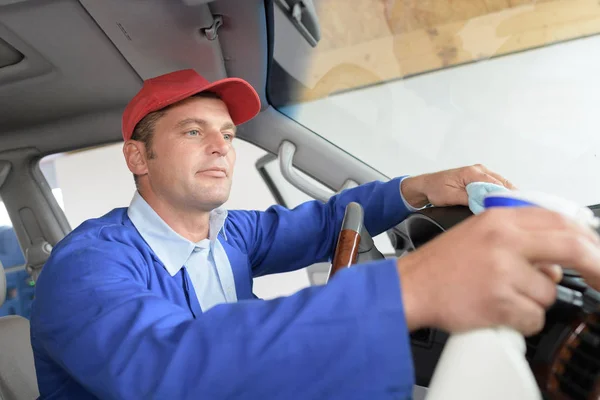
(194, 132)
(228, 137)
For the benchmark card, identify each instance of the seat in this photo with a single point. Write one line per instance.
(17, 370)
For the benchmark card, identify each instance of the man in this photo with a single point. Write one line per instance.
(155, 301)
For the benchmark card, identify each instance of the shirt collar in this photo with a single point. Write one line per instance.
(169, 246)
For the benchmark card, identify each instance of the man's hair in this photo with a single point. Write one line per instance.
(144, 130)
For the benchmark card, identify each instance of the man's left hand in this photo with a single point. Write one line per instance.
(447, 188)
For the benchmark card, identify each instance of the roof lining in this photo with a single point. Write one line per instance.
(80, 128)
(9, 55)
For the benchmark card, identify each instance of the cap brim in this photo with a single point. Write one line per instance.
(240, 97)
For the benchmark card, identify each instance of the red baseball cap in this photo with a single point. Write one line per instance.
(240, 97)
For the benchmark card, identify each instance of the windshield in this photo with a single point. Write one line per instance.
(414, 86)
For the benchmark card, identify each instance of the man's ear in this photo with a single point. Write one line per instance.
(135, 157)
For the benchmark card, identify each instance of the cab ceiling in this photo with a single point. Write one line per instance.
(68, 68)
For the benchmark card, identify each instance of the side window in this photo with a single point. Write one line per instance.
(19, 286)
(89, 183)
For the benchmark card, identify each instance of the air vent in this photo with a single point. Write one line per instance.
(579, 366)
(9, 55)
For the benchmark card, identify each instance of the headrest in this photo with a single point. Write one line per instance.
(2, 285)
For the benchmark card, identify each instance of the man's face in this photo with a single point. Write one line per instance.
(194, 157)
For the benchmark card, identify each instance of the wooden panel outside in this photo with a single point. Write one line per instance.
(370, 41)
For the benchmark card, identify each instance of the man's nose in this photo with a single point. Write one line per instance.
(218, 144)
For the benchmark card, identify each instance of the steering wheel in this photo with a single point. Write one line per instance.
(564, 356)
(355, 245)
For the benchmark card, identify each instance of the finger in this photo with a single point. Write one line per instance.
(503, 181)
(536, 285)
(481, 175)
(552, 271)
(563, 248)
(492, 179)
(530, 317)
(524, 315)
(499, 178)
(540, 219)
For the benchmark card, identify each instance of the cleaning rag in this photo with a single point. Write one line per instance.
(477, 192)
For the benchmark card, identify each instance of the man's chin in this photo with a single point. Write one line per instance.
(208, 201)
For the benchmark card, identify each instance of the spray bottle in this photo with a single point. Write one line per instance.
(490, 363)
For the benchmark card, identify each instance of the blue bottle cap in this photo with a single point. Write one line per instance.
(504, 201)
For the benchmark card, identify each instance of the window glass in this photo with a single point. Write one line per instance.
(19, 286)
(90, 182)
(417, 86)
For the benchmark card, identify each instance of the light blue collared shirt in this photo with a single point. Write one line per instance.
(206, 261)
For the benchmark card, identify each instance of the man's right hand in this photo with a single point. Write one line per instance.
(486, 271)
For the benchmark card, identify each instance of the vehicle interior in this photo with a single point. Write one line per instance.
(350, 94)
